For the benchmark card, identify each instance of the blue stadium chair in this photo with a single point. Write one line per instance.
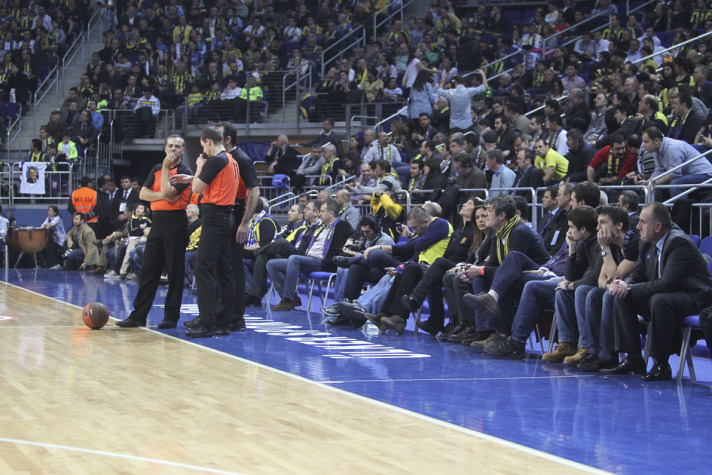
(513, 16)
(41, 73)
(706, 246)
(318, 278)
(290, 46)
(11, 112)
(280, 182)
(695, 238)
(585, 77)
(528, 16)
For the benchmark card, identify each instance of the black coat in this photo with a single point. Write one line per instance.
(287, 160)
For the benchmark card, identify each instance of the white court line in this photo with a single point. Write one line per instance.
(447, 425)
(454, 379)
(117, 455)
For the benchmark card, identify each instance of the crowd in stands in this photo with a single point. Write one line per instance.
(463, 138)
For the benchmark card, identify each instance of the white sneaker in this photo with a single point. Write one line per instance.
(131, 276)
(55, 267)
(111, 275)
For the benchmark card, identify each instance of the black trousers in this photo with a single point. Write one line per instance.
(279, 249)
(431, 285)
(400, 287)
(237, 251)
(165, 246)
(214, 261)
(666, 313)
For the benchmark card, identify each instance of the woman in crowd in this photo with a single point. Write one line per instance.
(401, 301)
(421, 95)
(56, 241)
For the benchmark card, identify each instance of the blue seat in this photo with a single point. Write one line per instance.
(691, 323)
(280, 182)
(695, 238)
(254, 149)
(706, 246)
(318, 278)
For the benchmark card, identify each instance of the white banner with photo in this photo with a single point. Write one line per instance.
(32, 180)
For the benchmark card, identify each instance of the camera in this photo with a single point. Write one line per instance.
(353, 247)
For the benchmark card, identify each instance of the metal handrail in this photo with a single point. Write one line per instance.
(572, 27)
(280, 200)
(324, 62)
(651, 183)
(400, 12)
(36, 100)
(17, 122)
(659, 53)
(639, 7)
(67, 59)
(89, 28)
(565, 96)
(296, 84)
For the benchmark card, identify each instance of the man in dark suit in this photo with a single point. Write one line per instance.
(126, 195)
(528, 175)
(282, 157)
(670, 281)
(83, 132)
(628, 125)
(686, 124)
(630, 201)
(326, 136)
(553, 224)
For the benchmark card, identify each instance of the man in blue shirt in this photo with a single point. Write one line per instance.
(461, 101)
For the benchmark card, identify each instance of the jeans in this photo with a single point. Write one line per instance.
(584, 312)
(367, 270)
(566, 315)
(538, 295)
(285, 273)
(686, 180)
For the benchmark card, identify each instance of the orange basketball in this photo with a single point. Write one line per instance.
(95, 315)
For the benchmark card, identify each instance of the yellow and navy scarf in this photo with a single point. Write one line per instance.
(503, 238)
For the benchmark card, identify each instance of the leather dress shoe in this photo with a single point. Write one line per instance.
(376, 320)
(482, 302)
(451, 329)
(238, 325)
(222, 332)
(467, 332)
(659, 372)
(167, 324)
(628, 366)
(394, 322)
(430, 326)
(339, 321)
(200, 332)
(194, 323)
(341, 261)
(252, 301)
(409, 303)
(128, 323)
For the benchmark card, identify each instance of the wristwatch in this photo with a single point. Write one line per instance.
(605, 253)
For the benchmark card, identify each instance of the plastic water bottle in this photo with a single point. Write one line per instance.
(12, 95)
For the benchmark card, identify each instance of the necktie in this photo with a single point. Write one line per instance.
(546, 221)
(654, 271)
(126, 195)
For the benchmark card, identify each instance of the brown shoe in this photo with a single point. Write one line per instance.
(284, 305)
(576, 359)
(99, 270)
(493, 337)
(563, 349)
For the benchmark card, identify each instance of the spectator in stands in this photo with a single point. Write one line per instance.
(468, 176)
(324, 246)
(347, 212)
(678, 285)
(577, 115)
(69, 149)
(421, 98)
(282, 157)
(327, 135)
(550, 162)
(253, 94)
(385, 180)
(311, 165)
(146, 112)
(630, 200)
(579, 156)
(628, 124)
(56, 127)
(649, 113)
(670, 153)
(612, 163)
(503, 177)
(83, 132)
(460, 99)
(82, 252)
(557, 134)
(685, 125)
(55, 245)
(528, 176)
(366, 178)
(35, 154)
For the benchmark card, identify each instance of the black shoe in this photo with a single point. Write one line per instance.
(451, 328)
(468, 333)
(483, 302)
(199, 332)
(341, 261)
(165, 324)
(238, 325)
(376, 320)
(339, 321)
(222, 332)
(194, 323)
(128, 323)
(409, 303)
(252, 301)
(659, 372)
(477, 336)
(394, 322)
(355, 312)
(628, 366)
(510, 347)
(596, 364)
(429, 326)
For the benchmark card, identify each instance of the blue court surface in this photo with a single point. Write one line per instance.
(615, 423)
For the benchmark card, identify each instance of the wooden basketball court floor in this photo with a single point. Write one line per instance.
(138, 400)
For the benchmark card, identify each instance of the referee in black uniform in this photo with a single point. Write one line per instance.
(167, 240)
(248, 193)
(217, 178)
